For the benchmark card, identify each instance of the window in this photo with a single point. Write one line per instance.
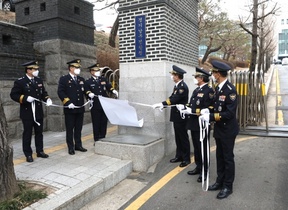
(26, 11)
(43, 7)
(77, 10)
(282, 21)
(286, 21)
(7, 39)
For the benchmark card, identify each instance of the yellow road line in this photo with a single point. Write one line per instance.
(279, 100)
(61, 146)
(141, 200)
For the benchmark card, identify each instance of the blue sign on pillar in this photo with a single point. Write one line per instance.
(140, 36)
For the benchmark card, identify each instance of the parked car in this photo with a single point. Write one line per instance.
(8, 5)
(277, 61)
(285, 61)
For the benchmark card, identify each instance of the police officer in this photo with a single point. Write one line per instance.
(225, 129)
(95, 86)
(179, 96)
(202, 97)
(27, 91)
(71, 93)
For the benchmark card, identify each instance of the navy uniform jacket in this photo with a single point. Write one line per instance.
(71, 92)
(201, 98)
(99, 87)
(225, 106)
(23, 87)
(179, 96)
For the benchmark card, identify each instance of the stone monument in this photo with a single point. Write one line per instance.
(154, 35)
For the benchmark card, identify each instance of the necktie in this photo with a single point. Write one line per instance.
(33, 81)
(217, 90)
(75, 79)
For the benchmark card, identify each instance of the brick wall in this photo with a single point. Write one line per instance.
(171, 30)
(63, 19)
(16, 44)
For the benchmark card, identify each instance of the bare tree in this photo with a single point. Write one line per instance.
(8, 183)
(254, 32)
(114, 29)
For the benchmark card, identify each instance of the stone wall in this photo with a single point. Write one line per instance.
(61, 19)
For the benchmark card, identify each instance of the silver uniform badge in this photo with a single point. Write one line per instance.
(220, 108)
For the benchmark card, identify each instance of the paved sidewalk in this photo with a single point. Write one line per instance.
(75, 179)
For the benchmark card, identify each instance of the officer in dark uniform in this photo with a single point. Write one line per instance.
(71, 93)
(25, 91)
(225, 129)
(179, 96)
(201, 98)
(95, 86)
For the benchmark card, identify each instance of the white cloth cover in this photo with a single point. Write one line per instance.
(119, 112)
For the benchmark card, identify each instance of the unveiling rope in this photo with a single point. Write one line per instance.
(204, 132)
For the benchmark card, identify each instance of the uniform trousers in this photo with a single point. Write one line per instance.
(74, 123)
(99, 122)
(225, 161)
(28, 125)
(182, 141)
(197, 150)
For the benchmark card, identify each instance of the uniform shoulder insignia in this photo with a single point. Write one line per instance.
(232, 96)
(20, 78)
(229, 87)
(181, 91)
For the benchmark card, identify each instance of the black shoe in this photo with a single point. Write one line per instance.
(215, 186)
(29, 159)
(224, 193)
(42, 155)
(200, 178)
(176, 159)
(81, 149)
(71, 152)
(194, 172)
(184, 163)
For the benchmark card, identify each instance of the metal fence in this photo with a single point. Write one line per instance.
(252, 107)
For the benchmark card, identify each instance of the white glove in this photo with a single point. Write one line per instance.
(204, 111)
(158, 106)
(188, 110)
(115, 92)
(49, 102)
(180, 106)
(91, 95)
(30, 99)
(205, 117)
(71, 106)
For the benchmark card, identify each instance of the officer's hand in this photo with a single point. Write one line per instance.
(30, 99)
(188, 110)
(49, 102)
(180, 106)
(158, 106)
(115, 92)
(91, 95)
(205, 117)
(71, 106)
(205, 111)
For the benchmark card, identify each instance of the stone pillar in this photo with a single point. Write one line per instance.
(171, 33)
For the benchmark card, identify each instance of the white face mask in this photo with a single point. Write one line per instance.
(172, 78)
(77, 71)
(196, 81)
(35, 73)
(97, 74)
(213, 78)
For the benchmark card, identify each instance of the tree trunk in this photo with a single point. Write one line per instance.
(113, 32)
(8, 183)
(254, 37)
